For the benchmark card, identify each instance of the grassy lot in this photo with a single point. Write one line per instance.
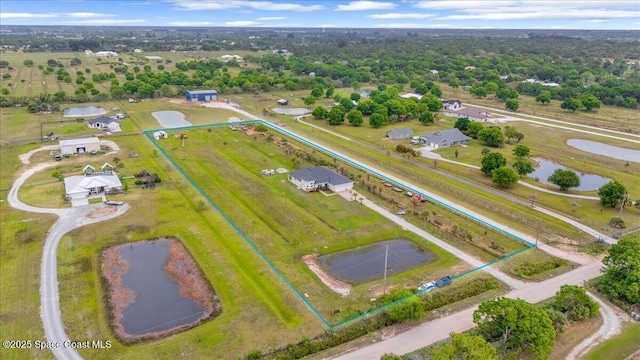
(619, 347)
(286, 223)
(516, 266)
(608, 117)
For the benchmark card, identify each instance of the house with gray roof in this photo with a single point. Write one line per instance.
(470, 112)
(451, 104)
(401, 133)
(445, 138)
(107, 123)
(315, 178)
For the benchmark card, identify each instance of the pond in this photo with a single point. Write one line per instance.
(292, 111)
(588, 182)
(599, 148)
(171, 119)
(366, 263)
(150, 293)
(80, 111)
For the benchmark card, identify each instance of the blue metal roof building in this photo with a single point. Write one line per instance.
(201, 95)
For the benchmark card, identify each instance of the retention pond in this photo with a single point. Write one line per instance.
(366, 263)
(155, 290)
(80, 111)
(611, 151)
(170, 119)
(588, 182)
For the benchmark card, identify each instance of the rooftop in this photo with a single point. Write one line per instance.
(89, 140)
(321, 175)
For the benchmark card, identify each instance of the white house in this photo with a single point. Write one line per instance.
(451, 104)
(316, 178)
(470, 112)
(160, 135)
(106, 53)
(91, 184)
(137, 51)
(105, 123)
(79, 146)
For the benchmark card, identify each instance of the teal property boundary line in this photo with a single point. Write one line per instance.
(148, 134)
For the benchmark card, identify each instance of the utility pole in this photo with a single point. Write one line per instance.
(386, 254)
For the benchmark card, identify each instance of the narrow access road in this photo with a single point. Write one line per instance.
(69, 219)
(439, 329)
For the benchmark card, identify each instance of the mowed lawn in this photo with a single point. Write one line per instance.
(286, 223)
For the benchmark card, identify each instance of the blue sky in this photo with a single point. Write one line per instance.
(505, 14)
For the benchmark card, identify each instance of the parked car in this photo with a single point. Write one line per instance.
(409, 194)
(402, 212)
(444, 281)
(58, 157)
(427, 286)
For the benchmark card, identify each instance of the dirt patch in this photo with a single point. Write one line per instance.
(120, 297)
(340, 287)
(101, 211)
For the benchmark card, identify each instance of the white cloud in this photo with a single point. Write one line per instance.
(596, 21)
(401, 26)
(256, 5)
(326, 26)
(400, 16)
(191, 23)
(87, 15)
(271, 18)
(545, 14)
(366, 5)
(461, 5)
(25, 16)
(242, 23)
(105, 22)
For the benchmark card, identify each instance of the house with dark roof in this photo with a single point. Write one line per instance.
(402, 133)
(470, 112)
(451, 104)
(316, 178)
(105, 122)
(445, 138)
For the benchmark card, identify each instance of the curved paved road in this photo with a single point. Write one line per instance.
(69, 219)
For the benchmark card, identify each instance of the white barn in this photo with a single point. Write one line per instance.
(316, 178)
(79, 146)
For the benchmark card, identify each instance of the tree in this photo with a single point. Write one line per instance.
(575, 303)
(355, 117)
(474, 128)
(510, 132)
(492, 136)
(519, 137)
(426, 118)
(320, 113)
(617, 222)
(28, 63)
(621, 279)
(316, 92)
(409, 309)
(565, 178)
(612, 194)
(590, 102)
(571, 104)
(464, 346)
(336, 116)
(462, 124)
(75, 62)
(491, 162)
(516, 324)
(544, 97)
(355, 96)
(330, 92)
(309, 100)
(523, 167)
(520, 151)
(376, 120)
(504, 177)
(512, 104)
(485, 151)
(366, 106)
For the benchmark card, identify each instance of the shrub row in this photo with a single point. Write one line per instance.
(529, 269)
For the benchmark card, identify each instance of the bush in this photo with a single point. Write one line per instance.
(529, 269)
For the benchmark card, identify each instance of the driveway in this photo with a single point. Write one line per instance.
(68, 220)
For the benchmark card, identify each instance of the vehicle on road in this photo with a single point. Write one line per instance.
(444, 281)
(427, 286)
(402, 212)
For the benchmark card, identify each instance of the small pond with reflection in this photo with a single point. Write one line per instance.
(588, 182)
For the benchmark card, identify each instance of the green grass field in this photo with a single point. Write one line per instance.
(620, 346)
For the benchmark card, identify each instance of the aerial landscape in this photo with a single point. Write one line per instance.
(320, 179)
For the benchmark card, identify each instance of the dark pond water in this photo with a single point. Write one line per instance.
(588, 182)
(158, 305)
(366, 263)
(599, 148)
(80, 111)
(170, 119)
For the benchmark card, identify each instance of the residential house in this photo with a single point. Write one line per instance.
(283, 102)
(106, 123)
(401, 133)
(316, 178)
(470, 112)
(451, 104)
(160, 135)
(91, 184)
(445, 138)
